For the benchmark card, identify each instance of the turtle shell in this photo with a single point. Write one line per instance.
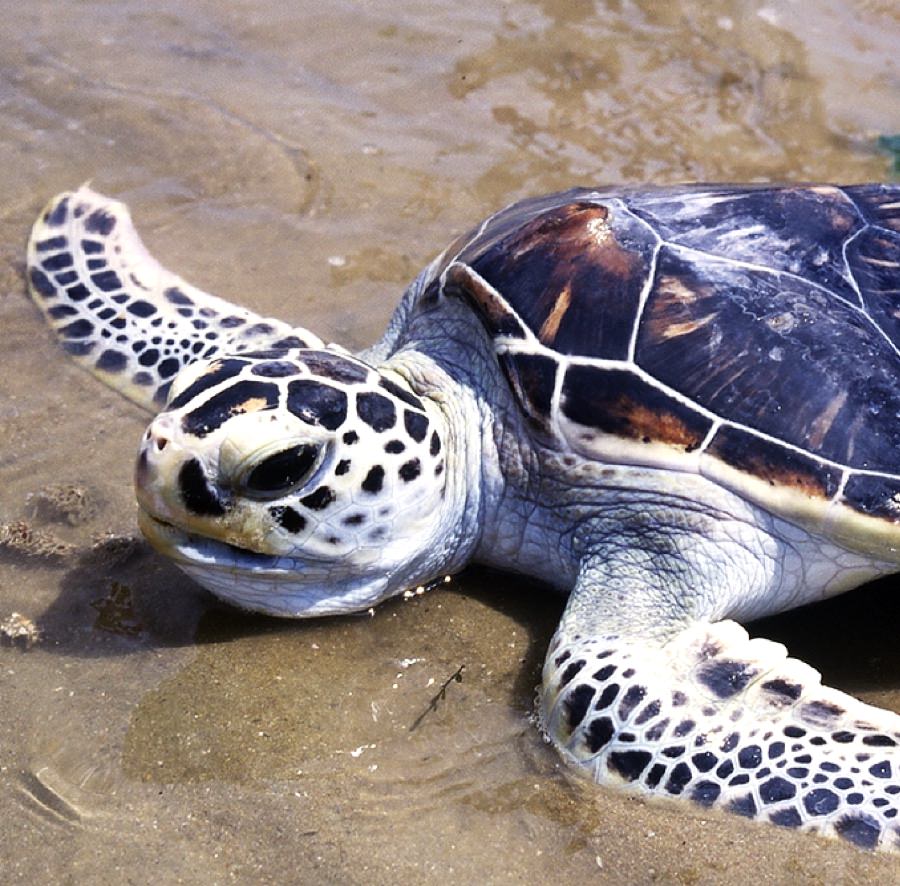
(749, 334)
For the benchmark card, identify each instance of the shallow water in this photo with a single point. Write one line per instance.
(306, 159)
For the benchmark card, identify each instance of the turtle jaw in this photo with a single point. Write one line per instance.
(287, 587)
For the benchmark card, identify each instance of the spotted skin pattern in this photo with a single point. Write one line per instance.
(381, 447)
(678, 405)
(746, 729)
(123, 316)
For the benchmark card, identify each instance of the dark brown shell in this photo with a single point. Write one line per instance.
(752, 332)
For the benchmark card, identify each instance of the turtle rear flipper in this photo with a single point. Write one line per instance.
(730, 722)
(122, 315)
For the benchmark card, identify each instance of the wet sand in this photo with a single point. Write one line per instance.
(307, 161)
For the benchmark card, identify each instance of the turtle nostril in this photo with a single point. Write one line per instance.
(161, 443)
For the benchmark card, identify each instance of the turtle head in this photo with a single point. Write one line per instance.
(296, 483)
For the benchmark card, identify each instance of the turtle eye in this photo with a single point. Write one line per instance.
(278, 474)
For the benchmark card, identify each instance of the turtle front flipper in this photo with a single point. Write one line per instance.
(679, 707)
(122, 315)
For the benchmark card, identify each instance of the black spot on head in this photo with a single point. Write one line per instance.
(435, 446)
(350, 437)
(630, 764)
(649, 712)
(275, 369)
(289, 341)
(234, 399)
(879, 741)
(599, 733)
(374, 480)
(288, 518)
(106, 280)
(608, 696)
(335, 367)
(66, 277)
(354, 520)
(258, 329)
(881, 770)
(342, 467)
(376, 411)
(416, 424)
(112, 361)
(94, 264)
(394, 447)
(860, 829)
(41, 283)
(794, 732)
(400, 394)
(91, 247)
(654, 733)
(317, 403)
(577, 703)
(231, 322)
(725, 769)
(821, 801)
(632, 698)
(605, 673)
(410, 470)
(195, 491)
(571, 670)
(684, 728)
(776, 749)
(218, 371)
(99, 222)
(321, 498)
(144, 379)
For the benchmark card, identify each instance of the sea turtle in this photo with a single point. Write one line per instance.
(680, 406)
